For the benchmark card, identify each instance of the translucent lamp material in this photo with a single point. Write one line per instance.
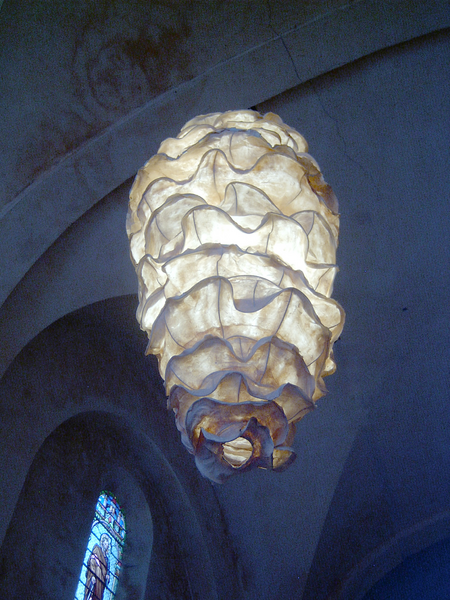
(233, 235)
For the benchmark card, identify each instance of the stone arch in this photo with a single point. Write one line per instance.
(43, 549)
(85, 175)
(384, 559)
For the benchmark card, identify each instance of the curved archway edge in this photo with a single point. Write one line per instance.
(384, 559)
(291, 57)
(85, 454)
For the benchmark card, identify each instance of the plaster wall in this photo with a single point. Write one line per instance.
(370, 458)
(142, 88)
(377, 128)
(83, 419)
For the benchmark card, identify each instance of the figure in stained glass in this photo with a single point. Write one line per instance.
(97, 572)
(103, 558)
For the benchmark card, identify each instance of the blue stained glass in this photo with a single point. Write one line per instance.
(103, 559)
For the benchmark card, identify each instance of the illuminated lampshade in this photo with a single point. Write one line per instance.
(233, 234)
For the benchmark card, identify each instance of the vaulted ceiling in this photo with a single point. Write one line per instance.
(88, 91)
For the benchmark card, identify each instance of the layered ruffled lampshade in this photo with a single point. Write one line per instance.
(233, 234)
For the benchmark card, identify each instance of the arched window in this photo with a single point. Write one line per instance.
(103, 559)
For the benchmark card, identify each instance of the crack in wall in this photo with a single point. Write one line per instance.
(320, 100)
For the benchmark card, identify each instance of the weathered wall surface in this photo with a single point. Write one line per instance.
(97, 88)
(376, 128)
(85, 105)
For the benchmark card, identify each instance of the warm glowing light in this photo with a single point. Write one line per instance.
(233, 234)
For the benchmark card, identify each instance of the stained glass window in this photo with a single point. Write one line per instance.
(103, 559)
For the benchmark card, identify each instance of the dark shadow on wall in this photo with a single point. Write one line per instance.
(423, 576)
(123, 439)
(46, 540)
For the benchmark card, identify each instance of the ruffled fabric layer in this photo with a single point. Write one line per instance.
(233, 234)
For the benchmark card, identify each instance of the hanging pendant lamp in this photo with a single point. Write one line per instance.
(233, 235)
